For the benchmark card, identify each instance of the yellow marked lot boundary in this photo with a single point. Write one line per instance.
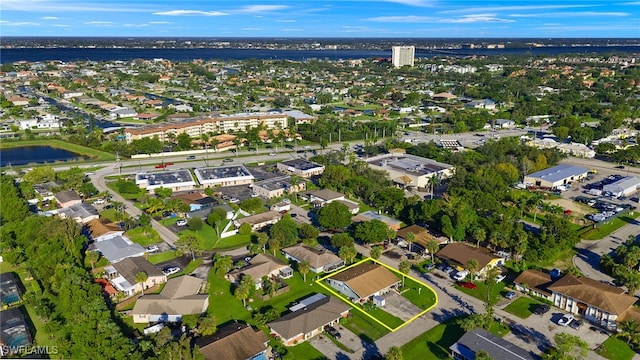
(343, 298)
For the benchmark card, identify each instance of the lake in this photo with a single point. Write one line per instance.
(36, 154)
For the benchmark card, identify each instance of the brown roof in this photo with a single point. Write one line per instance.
(233, 342)
(129, 267)
(310, 318)
(461, 253)
(67, 195)
(190, 197)
(367, 278)
(102, 226)
(535, 279)
(179, 296)
(423, 236)
(261, 265)
(316, 258)
(603, 296)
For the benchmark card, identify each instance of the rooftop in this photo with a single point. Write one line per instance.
(179, 296)
(165, 177)
(281, 182)
(118, 248)
(559, 172)
(410, 164)
(367, 278)
(236, 341)
(461, 253)
(310, 318)
(129, 267)
(222, 172)
(301, 164)
(498, 349)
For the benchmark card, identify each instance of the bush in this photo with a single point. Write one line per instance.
(195, 224)
(245, 229)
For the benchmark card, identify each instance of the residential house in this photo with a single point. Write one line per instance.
(422, 237)
(278, 186)
(258, 221)
(81, 213)
(504, 124)
(67, 198)
(180, 296)
(476, 340)
(300, 167)
(303, 324)
(487, 104)
(370, 215)
(123, 275)
(598, 302)
(320, 198)
(282, 206)
(260, 266)
(120, 113)
(236, 341)
(361, 282)
(118, 248)
(534, 282)
(103, 229)
(459, 254)
(10, 289)
(320, 259)
(14, 332)
(195, 199)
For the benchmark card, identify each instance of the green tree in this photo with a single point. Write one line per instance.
(371, 232)
(39, 175)
(284, 231)
(376, 252)
(163, 193)
(334, 216)
(629, 332)
(245, 229)
(244, 290)
(189, 243)
(262, 239)
(472, 266)
(207, 325)
(348, 253)
(222, 264)
(394, 353)
(252, 205)
(274, 245)
(184, 141)
(195, 223)
(216, 217)
(432, 248)
(483, 355)
(341, 239)
(304, 267)
(479, 234)
(410, 238)
(308, 231)
(141, 276)
(92, 257)
(447, 227)
(568, 347)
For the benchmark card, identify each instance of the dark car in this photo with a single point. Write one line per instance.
(575, 324)
(468, 285)
(619, 167)
(332, 331)
(542, 309)
(429, 267)
(227, 160)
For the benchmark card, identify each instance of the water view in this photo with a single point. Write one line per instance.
(36, 154)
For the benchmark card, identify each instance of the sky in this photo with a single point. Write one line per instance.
(319, 18)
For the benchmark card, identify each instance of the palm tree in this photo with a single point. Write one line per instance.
(629, 331)
(432, 248)
(479, 234)
(207, 325)
(92, 257)
(304, 267)
(141, 277)
(410, 238)
(472, 266)
(404, 268)
(434, 182)
(376, 252)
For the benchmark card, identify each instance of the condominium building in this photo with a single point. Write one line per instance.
(402, 55)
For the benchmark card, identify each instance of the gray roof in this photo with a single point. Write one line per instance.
(67, 195)
(301, 164)
(559, 172)
(623, 184)
(497, 348)
(130, 267)
(316, 315)
(179, 296)
(81, 211)
(119, 248)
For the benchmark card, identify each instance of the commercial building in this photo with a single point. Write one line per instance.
(409, 170)
(300, 167)
(403, 55)
(216, 125)
(276, 187)
(623, 187)
(176, 180)
(555, 176)
(223, 176)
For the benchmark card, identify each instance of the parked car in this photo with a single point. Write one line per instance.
(565, 320)
(429, 267)
(234, 200)
(170, 270)
(98, 202)
(191, 157)
(575, 324)
(152, 248)
(500, 278)
(619, 167)
(441, 266)
(449, 270)
(461, 275)
(227, 160)
(468, 285)
(511, 295)
(181, 222)
(332, 331)
(542, 309)
(272, 154)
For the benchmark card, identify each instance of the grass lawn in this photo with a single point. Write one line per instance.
(423, 299)
(615, 349)
(192, 265)
(522, 307)
(233, 242)
(222, 304)
(434, 343)
(144, 237)
(366, 329)
(390, 320)
(481, 291)
(302, 351)
(298, 289)
(162, 256)
(611, 226)
(94, 154)
(113, 186)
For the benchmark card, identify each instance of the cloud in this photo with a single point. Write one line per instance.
(99, 23)
(251, 29)
(190, 13)
(632, 3)
(61, 25)
(285, 21)
(466, 19)
(19, 23)
(511, 8)
(573, 14)
(136, 25)
(292, 29)
(49, 18)
(249, 9)
(160, 22)
(403, 19)
(476, 18)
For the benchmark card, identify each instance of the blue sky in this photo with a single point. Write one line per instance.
(312, 18)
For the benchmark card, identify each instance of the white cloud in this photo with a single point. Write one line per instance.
(19, 23)
(476, 18)
(285, 21)
(190, 13)
(420, 3)
(403, 19)
(136, 25)
(49, 18)
(160, 22)
(573, 14)
(67, 6)
(511, 8)
(99, 23)
(61, 25)
(632, 3)
(260, 8)
(250, 29)
(292, 30)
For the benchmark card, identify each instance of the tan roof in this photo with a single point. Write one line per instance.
(603, 296)
(179, 296)
(261, 265)
(67, 195)
(326, 194)
(186, 124)
(102, 226)
(315, 258)
(367, 278)
(423, 236)
(190, 197)
(535, 279)
(404, 179)
(232, 342)
(129, 267)
(260, 218)
(310, 318)
(461, 253)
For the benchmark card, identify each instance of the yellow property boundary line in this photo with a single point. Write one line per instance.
(340, 296)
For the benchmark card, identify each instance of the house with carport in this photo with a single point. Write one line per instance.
(534, 282)
(319, 258)
(364, 281)
(103, 229)
(260, 266)
(67, 198)
(422, 237)
(459, 254)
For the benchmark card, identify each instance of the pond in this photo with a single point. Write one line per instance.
(36, 154)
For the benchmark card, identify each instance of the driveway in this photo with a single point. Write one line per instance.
(399, 306)
(323, 344)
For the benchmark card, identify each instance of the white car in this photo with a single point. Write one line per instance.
(461, 275)
(565, 320)
(234, 200)
(272, 154)
(181, 222)
(500, 278)
(153, 248)
(170, 270)
(98, 202)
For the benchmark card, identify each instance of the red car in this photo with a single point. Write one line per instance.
(468, 285)
(160, 166)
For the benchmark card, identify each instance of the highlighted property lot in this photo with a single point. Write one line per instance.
(381, 293)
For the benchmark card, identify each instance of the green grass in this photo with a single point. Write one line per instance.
(162, 256)
(365, 328)
(223, 305)
(482, 290)
(615, 349)
(423, 299)
(609, 227)
(522, 307)
(304, 351)
(434, 343)
(192, 265)
(95, 155)
(144, 237)
(390, 320)
(233, 242)
(209, 239)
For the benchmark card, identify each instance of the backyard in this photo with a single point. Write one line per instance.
(419, 294)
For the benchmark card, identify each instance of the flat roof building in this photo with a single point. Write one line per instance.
(223, 176)
(176, 180)
(409, 170)
(276, 187)
(370, 215)
(300, 167)
(557, 175)
(623, 187)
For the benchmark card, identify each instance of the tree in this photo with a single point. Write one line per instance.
(432, 248)
(483, 355)
(195, 223)
(472, 266)
(244, 290)
(629, 331)
(447, 227)
(347, 253)
(222, 264)
(262, 239)
(144, 221)
(404, 266)
(434, 182)
(163, 193)
(184, 141)
(376, 252)
(394, 354)
(568, 347)
(189, 243)
(308, 231)
(92, 257)
(141, 276)
(479, 234)
(341, 239)
(371, 232)
(274, 245)
(304, 267)
(410, 238)
(334, 216)
(217, 216)
(207, 325)
(285, 231)
(252, 205)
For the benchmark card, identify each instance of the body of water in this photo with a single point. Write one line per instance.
(36, 154)
(108, 54)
